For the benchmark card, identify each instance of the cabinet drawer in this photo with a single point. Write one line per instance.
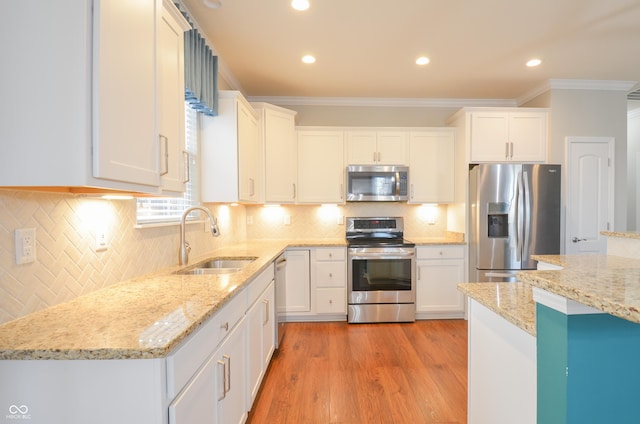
(331, 254)
(331, 274)
(185, 361)
(440, 252)
(331, 301)
(259, 284)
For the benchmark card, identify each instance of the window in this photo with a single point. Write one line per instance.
(160, 210)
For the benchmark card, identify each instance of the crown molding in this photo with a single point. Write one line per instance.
(382, 102)
(607, 85)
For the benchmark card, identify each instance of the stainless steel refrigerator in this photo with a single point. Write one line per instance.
(514, 213)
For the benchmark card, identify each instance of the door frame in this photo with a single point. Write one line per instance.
(569, 141)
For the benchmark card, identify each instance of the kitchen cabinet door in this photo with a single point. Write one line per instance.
(432, 166)
(277, 131)
(374, 147)
(260, 340)
(231, 153)
(125, 147)
(439, 269)
(170, 92)
(93, 78)
(250, 156)
(230, 378)
(320, 167)
(498, 136)
(197, 402)
(298, 285)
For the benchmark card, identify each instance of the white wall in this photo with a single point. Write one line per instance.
(633, 165)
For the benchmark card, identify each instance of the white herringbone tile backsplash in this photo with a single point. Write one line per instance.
(67, 264)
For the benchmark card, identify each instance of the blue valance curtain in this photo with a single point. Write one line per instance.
(200, 72)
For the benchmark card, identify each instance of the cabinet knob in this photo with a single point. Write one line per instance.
(441, 253)
(330, 302)
(331, 255)
(225, 326)
(330, 275)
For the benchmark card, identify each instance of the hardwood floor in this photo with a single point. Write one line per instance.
(367, 373)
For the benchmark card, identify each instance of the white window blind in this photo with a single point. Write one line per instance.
(158, 210)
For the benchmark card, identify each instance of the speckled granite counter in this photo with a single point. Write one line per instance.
(622, 234)
(512, 301)
(144, 317)
(608, 283)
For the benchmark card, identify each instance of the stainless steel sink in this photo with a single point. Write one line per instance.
(222, 265)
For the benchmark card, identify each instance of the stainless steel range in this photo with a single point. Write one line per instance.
(381, 271)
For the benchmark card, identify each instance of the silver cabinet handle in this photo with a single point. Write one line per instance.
(511, 154)
(225, 326)
(227, 380)
(165, 170)
(265, 304)
(374, 157)
(506, 150)
(187, 169)
(224, 378)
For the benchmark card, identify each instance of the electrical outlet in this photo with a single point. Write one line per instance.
(25, 242)
(101, 241)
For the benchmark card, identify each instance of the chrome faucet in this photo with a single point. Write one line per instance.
(184, 245)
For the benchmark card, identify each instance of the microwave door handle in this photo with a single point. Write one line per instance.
(397, 183)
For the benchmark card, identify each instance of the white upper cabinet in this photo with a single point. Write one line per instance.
(515, 134)
(170, 92)
(320, 166)
(376, 147)
(232, 156)
(80, 110)
(432, 165)
(277, 131)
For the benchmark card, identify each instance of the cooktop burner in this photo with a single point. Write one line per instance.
(376, 232)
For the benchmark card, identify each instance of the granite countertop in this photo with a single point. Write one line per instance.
(144, 317)
(610, 284)
(512, 301)
(622, 234)
(147, 316)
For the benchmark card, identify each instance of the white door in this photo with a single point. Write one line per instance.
(589, 194)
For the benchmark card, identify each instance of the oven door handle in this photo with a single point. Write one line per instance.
(394, 255)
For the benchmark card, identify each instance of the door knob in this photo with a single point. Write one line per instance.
(576, 239)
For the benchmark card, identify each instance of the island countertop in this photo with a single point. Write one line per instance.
(512, 301)
(610, 284)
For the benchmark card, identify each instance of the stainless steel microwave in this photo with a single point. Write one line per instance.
(377, 183)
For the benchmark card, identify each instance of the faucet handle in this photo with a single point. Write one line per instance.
(187, 246)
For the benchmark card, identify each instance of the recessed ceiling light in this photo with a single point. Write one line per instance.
(533, 62)
(422, 60)
(212, 4)
(308, 59)
(300, 4)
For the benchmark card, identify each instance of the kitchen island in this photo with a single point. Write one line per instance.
(586, 335)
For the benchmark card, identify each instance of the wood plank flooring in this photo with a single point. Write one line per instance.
(367, 373)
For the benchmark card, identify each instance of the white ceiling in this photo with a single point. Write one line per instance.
(367, 48)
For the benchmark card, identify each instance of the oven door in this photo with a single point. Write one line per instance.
(381, 275)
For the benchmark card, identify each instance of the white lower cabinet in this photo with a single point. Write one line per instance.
(330, 274)
(439, 269)
(260, 339)
(316, 287)
(298, 288)
(230, 378)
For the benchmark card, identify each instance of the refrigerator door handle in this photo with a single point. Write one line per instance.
(519, 206)
(526, 221)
